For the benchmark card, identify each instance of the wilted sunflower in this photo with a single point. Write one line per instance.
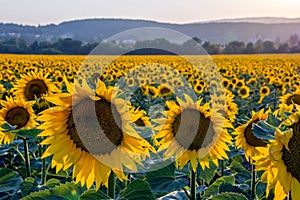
(192, 132)
(281, 162)
(34, 85)
(92, 133)
(245, 138)
(18, 114)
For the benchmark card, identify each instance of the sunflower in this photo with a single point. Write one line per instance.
(34, 85)
(289, 100)
(144, 89)
(226, 104)
(198, 88)
(153, 91)
(192, 132)
(281, 163)
(244, 92)
(18, 114)
(142, 118)
(245, 138)
(240, 83)
(225, 82)
(165, 90)
(264, 91)
(94, 146)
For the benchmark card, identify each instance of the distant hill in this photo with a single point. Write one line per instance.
(262, 20)
(220, 31)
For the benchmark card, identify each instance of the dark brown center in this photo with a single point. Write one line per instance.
(243, 91)
(264, 91)
(18, 117)
(59, 79)
(35, 88)
(291, 157)
(164, 91)
(139, 122)
(295, 98)
(239, 84)
(192, 130)
(251, 139)
(95, 126)
(225, 83)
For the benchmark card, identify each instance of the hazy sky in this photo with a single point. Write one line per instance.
(42, 12)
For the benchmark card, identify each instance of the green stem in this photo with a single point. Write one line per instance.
(44, 174)
(289, 197)
(222, 167)
(193, 185)
(27, 161)
(20, 154)
(111, 185)
(253, 182)
(129, 179)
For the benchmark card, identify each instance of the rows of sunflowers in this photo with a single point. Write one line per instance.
(150, 127)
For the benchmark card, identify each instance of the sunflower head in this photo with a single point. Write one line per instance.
(93, 134)
(192, 132)
(281, 162)
(17, 114)
(33, 86)
(245, 137)
(244, 92)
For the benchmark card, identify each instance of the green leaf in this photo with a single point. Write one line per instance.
(137, 189)
(172, 185)
(29, 134)
(10, 181)
(174, 195)
(213, 189)
(226, 187)
(240, 173)
(208, 174)
(261, 189)
(158, 177)
(53, 182)
(265, 130)
(29, 185)
(229, 196)
(68, 191)
(7, 127)
(93, 195)
(273, 120)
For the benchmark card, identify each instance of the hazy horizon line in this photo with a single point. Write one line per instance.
(152, 20)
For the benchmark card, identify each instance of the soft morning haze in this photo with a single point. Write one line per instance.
(43, 12)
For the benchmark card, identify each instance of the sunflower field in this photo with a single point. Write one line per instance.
(150, 127)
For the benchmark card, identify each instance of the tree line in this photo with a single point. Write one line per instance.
(69, 46)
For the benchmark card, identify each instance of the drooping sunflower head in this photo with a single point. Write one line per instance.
(289, 100)
(17, 114)
(245, 137)
(192, 132)
(281, 163)
(34, 85)
(93, 133)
